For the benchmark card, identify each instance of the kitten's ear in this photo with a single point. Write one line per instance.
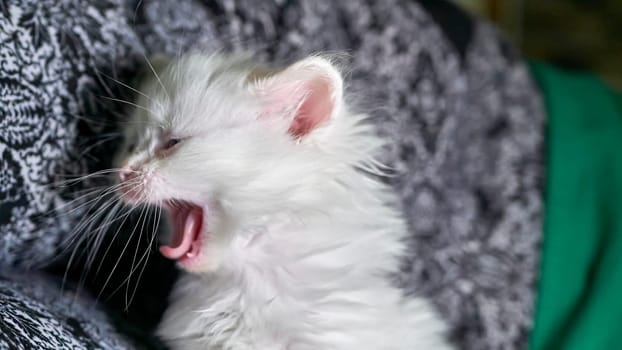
(307, 93)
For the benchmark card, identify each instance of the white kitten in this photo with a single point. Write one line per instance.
(286, 239)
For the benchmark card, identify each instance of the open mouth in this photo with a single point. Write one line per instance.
(186, 220)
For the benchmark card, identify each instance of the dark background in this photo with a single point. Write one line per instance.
(577, 34)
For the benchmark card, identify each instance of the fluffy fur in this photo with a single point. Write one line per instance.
(299, 236)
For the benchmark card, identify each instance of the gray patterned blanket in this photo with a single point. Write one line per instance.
(455, 99)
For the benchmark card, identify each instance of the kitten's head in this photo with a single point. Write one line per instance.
(219, 142)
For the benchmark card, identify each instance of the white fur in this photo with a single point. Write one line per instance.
(300, 239)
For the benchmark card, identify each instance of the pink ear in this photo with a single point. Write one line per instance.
(308, 93)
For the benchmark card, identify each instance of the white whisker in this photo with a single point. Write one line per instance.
(157, 77)
(129, 103)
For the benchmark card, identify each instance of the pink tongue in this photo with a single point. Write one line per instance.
(190, 233)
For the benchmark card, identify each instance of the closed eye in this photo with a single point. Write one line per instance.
(167, 147)
(170, 143)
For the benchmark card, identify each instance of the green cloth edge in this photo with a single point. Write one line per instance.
(579, 303)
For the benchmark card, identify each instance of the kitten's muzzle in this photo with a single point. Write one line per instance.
(131, 183)
(127, 173)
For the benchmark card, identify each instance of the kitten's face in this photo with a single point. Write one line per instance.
(215, 146)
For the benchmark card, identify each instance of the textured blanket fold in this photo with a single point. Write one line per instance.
(457, 103)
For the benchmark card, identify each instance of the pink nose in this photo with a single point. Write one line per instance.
(127, 172)
(126, 175)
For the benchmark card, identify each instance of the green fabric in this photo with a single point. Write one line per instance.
(579, 302)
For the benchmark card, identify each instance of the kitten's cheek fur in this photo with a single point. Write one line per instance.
(217, 237)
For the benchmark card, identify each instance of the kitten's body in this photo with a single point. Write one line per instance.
(298, 239)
